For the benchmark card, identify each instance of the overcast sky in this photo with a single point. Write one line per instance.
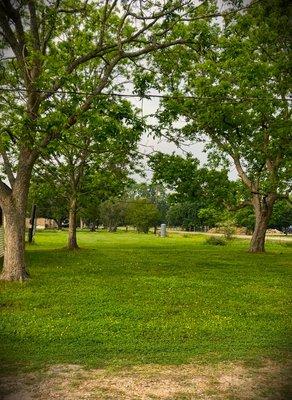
(150, 144)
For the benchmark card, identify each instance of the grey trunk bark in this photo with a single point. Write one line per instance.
(263, 211)
(14, 268)
(72, 236)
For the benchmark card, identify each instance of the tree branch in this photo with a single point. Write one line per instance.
(8, 168)
(5, 190)
(241, 172)
(244, 204)
(34, 24)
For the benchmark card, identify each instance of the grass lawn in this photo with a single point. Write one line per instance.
(129, 299)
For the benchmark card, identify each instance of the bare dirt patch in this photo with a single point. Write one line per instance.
(233, 381)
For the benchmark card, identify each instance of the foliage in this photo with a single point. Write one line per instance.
(113, 214)
(187, 181)
(125, 297)
(199, 194)
(215, 241)
(142, 214)
(238, 101)
(184, 215)
(209, 216)
(228, 227)
(281, 218)
(154, 192)
(61, 60)
(245, 217)
(50, 200)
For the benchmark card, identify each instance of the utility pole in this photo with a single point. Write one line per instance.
(32, 224)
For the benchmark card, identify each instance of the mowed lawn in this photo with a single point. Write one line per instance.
(130, 299)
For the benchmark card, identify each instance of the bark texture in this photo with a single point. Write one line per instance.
(13, 203)
(72, 236)
(263, 208)
(14, 268)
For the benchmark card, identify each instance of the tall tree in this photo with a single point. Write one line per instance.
(47, 46)
(106, 143)
(238, 97)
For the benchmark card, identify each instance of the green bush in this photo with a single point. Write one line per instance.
(216, 241)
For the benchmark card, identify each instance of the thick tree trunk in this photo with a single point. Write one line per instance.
(72, 236)
(13, 203)
(14, 268)
(257, 244)
(263, 210)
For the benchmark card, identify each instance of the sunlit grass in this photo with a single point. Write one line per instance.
(133, 299)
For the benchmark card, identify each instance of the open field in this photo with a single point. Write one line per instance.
(132, 308)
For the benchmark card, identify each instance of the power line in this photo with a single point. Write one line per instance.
(146, 96)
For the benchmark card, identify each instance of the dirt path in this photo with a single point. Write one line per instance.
(233, 381)
(278, 238)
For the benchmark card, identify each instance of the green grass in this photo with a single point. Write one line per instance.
(129, 299)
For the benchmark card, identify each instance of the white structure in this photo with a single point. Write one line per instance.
(163, 230)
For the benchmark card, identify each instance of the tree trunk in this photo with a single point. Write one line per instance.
(13, 203)
(263, 210)
(59, 224)
(14, 268)
(72, 237)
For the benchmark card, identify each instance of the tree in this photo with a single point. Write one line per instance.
(238, 97)
(47, 46)
(99, 187)
(113, 214)
(155, 193)
(142, 214)
(209, 216)
(184, 215)
(106, 143)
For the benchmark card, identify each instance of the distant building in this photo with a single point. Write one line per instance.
(42, 223)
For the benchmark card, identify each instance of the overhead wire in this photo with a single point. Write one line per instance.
(146, 96)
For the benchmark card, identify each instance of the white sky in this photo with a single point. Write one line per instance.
(150, 144)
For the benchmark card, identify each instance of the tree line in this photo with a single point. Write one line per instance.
(198, 200)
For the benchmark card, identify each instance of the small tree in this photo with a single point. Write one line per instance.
(227, 226)
(142, 214)
(112, 214)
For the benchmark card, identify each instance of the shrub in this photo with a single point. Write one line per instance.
(227, 227)
(216, 241)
